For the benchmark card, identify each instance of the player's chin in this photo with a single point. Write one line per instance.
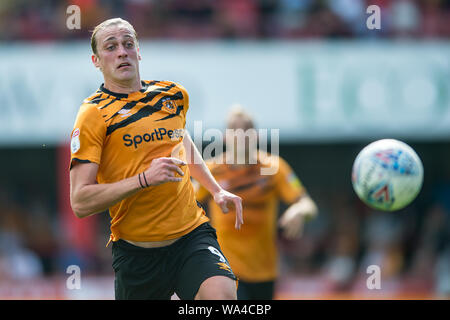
(125, 74)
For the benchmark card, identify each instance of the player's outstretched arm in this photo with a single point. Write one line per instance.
(200, 172)
(87, 197)
(294, 217)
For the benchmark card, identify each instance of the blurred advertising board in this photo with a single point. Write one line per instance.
(311, 91)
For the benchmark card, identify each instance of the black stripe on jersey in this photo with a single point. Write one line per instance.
(114, 94)
(109, 103)
(179, 108)
(142, 113)
(97, 99)
(125, 95)
(154, 93)
(148, 97)
(127, 106)
(145, 85)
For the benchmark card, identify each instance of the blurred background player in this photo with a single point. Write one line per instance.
(252, 251)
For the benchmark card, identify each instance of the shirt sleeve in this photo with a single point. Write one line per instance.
(87, 136)
(288, 185)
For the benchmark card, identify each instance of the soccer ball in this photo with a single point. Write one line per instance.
(387, 175)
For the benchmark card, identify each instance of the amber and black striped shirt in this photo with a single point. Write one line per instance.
(123, 133)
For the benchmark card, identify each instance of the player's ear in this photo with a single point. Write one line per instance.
(95, 61)
(139, 55)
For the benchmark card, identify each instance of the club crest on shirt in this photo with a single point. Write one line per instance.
(169, 106)
(75, 141)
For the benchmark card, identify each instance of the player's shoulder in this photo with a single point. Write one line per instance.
(90, 105)
(95, 98)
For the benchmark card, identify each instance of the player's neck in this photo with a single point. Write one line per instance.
(123, 87)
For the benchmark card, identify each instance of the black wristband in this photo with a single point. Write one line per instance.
(140, 182)
(145, 179)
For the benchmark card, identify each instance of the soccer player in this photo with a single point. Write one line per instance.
(252, 251)
(130, 154)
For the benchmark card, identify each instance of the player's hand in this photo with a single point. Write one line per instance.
(223, 198)
(164, 170)
(294, 218)
(292, 222)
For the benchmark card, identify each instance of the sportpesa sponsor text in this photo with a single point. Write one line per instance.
(157, 134)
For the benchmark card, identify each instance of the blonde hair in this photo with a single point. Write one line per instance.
(237, 111)
(104, 25)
